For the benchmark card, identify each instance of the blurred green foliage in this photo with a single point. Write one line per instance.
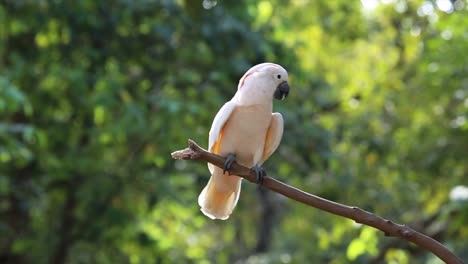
(95, 95)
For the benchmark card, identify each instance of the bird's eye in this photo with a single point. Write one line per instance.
(278, 76)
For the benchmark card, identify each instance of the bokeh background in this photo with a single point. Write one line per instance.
(95, 95)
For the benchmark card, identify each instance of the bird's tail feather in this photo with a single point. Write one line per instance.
(220, 196)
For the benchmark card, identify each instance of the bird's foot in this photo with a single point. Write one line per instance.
(231, 158)
(260, 172)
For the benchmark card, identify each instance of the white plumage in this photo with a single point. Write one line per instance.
(244, 126)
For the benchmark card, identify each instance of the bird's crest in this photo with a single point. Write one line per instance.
(253, 70)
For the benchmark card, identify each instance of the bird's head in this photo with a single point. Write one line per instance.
(262, 83)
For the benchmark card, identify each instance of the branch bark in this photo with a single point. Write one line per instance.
(389, 228)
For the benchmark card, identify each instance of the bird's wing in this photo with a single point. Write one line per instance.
(216, 131)
(273, 136)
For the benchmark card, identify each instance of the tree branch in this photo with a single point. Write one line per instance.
(195, 152)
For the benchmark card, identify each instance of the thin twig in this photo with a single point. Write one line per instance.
(195, 152)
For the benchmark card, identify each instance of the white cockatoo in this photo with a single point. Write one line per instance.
(246, 131)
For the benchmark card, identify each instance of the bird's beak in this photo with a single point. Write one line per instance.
(282, 91)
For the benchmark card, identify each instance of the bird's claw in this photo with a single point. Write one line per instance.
(260, 173)
(231, 158)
